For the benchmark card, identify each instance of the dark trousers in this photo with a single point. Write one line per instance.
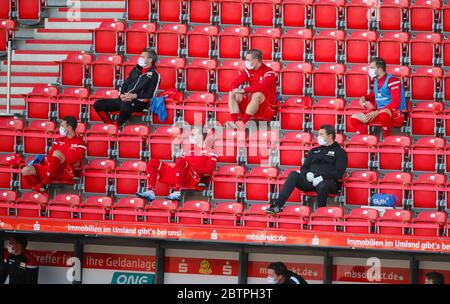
(298, 180)
(104, 106)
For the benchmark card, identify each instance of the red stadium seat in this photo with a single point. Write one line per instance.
(328, 80)
(5, 9)
(106, 71)
(161, 211)
(294, 112)
(446, 18)
(227, 214)
(360, 46)
(267, 40)
(196, 108)
(394, 222)
(64, 206)
(202, 41)
(38, 136)
(357, 81)
(296, 79)
(297, 13)
(445, 53)
(260, 183)
(227, 182)
(74, 70)
(172, 10)
(200, 75)
(403, 73)
(171, 71)
(7, 28)
(229, 145)
(327, 219)
(138, 10)
(397, 184)
(360, 220)
(425, 49)
(233, 42)
(161, 141)
(72, 102)
(108, 37)
(256, 216)
(293, 148)
(328, 13)
(130, 177)
(233, 12)
(194, 212)
(29, 12)
(95, 208)
(8, 170)
(173, 98)
(201, 11)
(360, 14)
(138, 36)
(128, 209)
(426, 83)
(10, 131)
(425, 15)
(426, 118)
(329, 46)
(359, 187)
(296, 45)
(101, 140)
(31, 204)
(327, 111)
(7, 202)
(393, 153)
(265, 12)
(40, 102)
(98, 176)
(294, 217)
(428, 154)
(171, 39)
(428, 190)
(393, 15)
(227, 73)
(100, 94)
(129, 65)
(352, 108)
(393, 47)
(429, 223)
(262, 147)
(132, 141)
(361, 151)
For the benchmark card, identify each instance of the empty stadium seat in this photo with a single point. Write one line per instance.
(171, 11)
(426, 83)
(296, 45)
(171, 39)
(357, 82)
(265, 12)
(393, 153)
(202, 41)
(108, 37)
(233, 42)
(262, 147)
(171, 71)
(256, 216)
(6, 9)
(296, 79)
(194, 212)
(100, 94)
(37, 137)
(39, 102)
(394, 222)
(98, 176)
(31, 204)
(327, 111)
(293, 148)
(227, 73)
(7, 202)
(397, 184)
(293, 112)
(360, 220)
(429, 223)
(197, 108)
(132, 141)
(64, 206)
(268, 41)
(106, 70)
(138, 36)
(161, 140)
(8, 170)
(29, 12)
(328, 80)
(128, 209)
(227, 214)
(200, 75)
(138, 10)
(227, 182)
(359, 186)
(233, 12)
(294, 217)
(361, 151)
(425, 49)
(101, 140)
(95, 208)
(229, 145)
(201, 11)
(72, 102)
(425, 15)
(296, 13)
(328, 13)
(260, 183)
(426, 118)
(360, 14)
(11, 131)
(161, 211)
(329, 46)
(428, 154)
(7, 28)
(74, 70)
(393, 47)
(360, 46)
(130, 177)
(393, 15)
(428, 190)
(327, 219)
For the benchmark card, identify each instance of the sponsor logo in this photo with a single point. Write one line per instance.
(132, 278)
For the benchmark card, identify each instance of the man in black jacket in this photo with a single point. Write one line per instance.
(277, 273)
(19, 265)
(322, 170)
(140, 86)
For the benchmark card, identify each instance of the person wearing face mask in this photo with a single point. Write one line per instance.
(196, 164)
(63, 159)
(19, 265)
(259, 98)
(321, 172)
(139, 87)
(277, 273)
(383, 105)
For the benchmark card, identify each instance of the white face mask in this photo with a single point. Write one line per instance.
(372, 73)
(10, 249)
(321, 141)
(141, 62)
(62, 131)
(271, 280)
(248, 65)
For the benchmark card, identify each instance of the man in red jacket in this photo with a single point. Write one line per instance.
(198, 161)
(65, 156)
(258, 97)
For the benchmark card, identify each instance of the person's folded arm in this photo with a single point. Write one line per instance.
(243, 77)
(268, 80)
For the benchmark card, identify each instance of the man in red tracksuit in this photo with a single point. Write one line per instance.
(262, 90)
(383, 105)
(197, 162)
(65, 156)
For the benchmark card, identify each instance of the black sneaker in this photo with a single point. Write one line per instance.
(273, 209)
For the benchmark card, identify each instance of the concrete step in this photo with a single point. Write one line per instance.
(33, 55)
(24, 32)
(18, 77)
(18, 88)
(17, 102)
(57, 45)
(82, 24)
(71, 13)
(62, 34)
(31, 67)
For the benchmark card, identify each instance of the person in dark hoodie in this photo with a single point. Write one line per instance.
(136, 91)
(277, 273)
(322, 171)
